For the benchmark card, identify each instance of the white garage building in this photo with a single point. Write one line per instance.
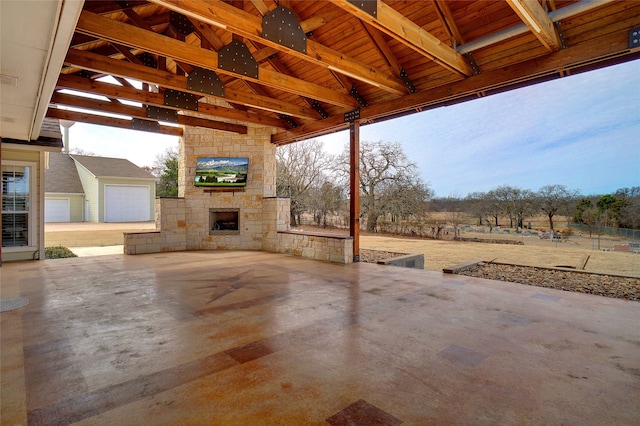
(97, 189)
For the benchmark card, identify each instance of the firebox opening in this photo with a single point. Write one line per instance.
(224, 221)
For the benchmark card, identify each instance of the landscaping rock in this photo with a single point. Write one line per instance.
(602, 285)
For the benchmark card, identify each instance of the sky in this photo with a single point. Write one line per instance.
(581, 131)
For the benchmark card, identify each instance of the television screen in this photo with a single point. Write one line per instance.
(217, 172)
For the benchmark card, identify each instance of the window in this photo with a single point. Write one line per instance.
(16, 205)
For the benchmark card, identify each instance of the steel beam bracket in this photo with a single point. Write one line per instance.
(148, 60)
(472, 62)
(369, 6)
(162, 114)
(205, 81)
(563, 42)
(145, 125)
(407, 81)
(178, 99)
(351, 116)
(281, 26)
(634, 38)
(358, 97)
(180, 23)
(316, 105)
(289, 120)
(236, 57)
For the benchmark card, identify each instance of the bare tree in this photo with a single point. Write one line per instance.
(325, 198)
(455, 214)
(556, 199)
(386, 175)
(299, 166)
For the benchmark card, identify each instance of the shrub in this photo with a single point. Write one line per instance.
(58, 252)
(567, 232)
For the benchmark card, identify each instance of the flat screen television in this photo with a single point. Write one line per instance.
(221, 172)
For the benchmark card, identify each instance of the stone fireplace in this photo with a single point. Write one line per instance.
(250, 218)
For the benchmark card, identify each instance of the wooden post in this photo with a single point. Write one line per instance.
(354, 187)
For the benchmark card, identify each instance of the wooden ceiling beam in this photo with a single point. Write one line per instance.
(249, 26)
(102, 120)
(98, 63)
(130, 93)
(129, 35)
(140, 112)
(382, 47)
(410, 34)
(448, 22)
(606, 47)
(535, 17)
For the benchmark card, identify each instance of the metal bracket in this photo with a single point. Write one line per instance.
(180, 23)
(289, 120)
(281, 26)
(145, 125)
(369, 6)
(162, 114)
(634, 38)
(354, 92)
(148, 60)
(178, 99)
(563, 42)
(352, 116)
(316, 105)
(236, 57)
(205, 81)
(472, 62)
(407, 81)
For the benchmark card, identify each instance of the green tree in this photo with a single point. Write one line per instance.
(582, 206)
(614, 207)
(166, 170)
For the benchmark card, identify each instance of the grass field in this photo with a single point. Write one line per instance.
(437, 253)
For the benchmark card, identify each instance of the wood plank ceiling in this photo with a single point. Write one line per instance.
(305, 68)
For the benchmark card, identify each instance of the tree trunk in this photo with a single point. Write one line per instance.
(550, 221)
(372, 222)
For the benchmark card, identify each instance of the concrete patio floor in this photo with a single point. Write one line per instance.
(253, 338)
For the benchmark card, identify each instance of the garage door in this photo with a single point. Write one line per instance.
(57, 210)
(126, 203)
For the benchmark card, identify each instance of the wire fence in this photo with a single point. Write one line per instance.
(631, 234)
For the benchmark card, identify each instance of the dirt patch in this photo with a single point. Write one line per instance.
(89, 234)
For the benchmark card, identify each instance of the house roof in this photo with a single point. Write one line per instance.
(50, 136)
(62, 175)
(111, 167)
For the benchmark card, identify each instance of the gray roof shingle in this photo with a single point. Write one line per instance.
(111, 167)
(62, 175)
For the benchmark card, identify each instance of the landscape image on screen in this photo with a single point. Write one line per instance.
(222, 172)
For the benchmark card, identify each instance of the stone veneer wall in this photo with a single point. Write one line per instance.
(264, 220)
(261, 182)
